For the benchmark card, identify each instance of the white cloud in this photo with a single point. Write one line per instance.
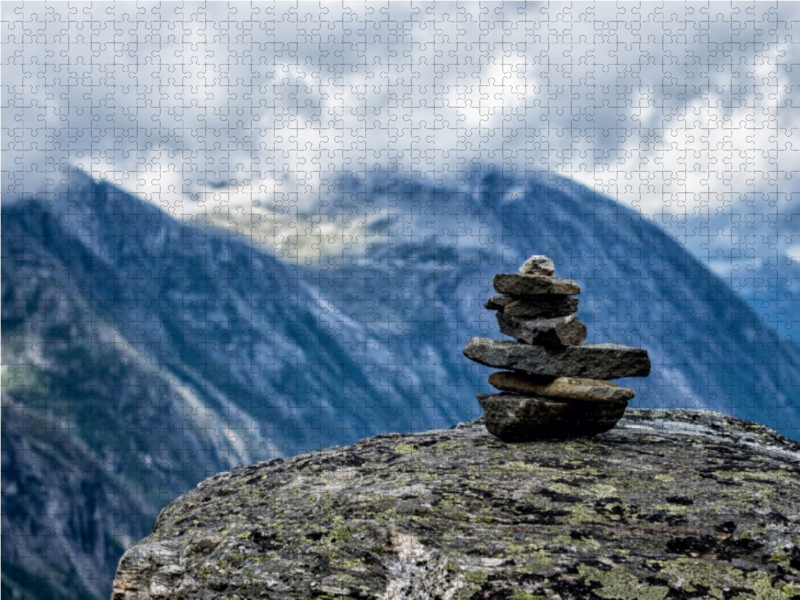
(677, 108)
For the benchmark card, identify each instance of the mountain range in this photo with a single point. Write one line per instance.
(142, 354)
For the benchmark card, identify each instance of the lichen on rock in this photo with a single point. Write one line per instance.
(669, 504)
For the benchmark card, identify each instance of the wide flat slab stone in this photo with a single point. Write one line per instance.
(593, 361)
(533, 307)
(527, 285)
(589, 390)
(560, 331)
(526, 418)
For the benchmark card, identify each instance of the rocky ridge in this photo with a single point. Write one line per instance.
(667, 505)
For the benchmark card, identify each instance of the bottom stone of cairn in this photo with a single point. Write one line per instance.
(523, 418)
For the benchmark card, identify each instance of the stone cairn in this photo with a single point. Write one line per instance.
(555, 385)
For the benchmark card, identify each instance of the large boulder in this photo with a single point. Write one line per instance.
(669, 504)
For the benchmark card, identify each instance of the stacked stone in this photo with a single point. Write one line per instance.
(555, 386)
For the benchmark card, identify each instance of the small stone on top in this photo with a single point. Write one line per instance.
(538, 265)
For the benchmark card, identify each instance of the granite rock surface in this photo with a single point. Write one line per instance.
(668, 504)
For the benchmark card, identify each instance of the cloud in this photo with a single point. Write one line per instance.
(679, 109)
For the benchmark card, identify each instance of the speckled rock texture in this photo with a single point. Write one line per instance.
(667, 505)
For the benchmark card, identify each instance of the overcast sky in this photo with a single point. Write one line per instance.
(670, 108)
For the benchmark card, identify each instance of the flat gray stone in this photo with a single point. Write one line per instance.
(528, 285)
(567, 388)
(593, 361)
(561, 331)
(538, 265)
(533, 307)
(526, 418)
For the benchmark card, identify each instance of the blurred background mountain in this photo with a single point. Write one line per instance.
(142, 354)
